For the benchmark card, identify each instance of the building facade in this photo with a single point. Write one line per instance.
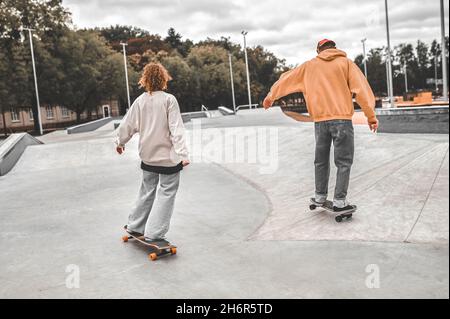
(20, 119)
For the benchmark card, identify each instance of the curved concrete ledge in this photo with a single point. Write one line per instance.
(431, 120)
(12, 148)
(225, 111)
(193, 115)
(88, 127)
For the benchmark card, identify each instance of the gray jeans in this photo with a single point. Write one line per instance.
(154, 206)
(340, 133)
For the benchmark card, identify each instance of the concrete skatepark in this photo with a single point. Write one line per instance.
(243, 228)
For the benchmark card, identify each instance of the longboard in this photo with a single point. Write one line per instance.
(328, 206)
(158, 248)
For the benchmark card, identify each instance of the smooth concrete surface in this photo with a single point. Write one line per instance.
(12, 148)
(396, 180)
(89, 126)
(240, 233)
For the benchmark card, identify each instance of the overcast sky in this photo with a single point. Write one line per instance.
(289, 28)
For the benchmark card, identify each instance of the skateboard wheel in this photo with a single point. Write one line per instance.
(173, 251)
(153, 256)
(125, 239)
(312, 207)
(338, 219)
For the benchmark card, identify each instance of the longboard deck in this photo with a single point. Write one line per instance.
(158, 248)
(328, 206)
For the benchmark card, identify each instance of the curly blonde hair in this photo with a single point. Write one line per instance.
(154, 77)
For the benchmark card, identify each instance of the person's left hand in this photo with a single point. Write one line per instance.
(185, 163)
(374, 126)
(267, 103)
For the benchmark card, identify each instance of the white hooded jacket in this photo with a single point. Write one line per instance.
(157, 119)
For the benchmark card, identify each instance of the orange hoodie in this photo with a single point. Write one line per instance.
(328, 83)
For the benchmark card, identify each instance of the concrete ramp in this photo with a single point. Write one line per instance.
(399, 183)
(72, 155)
(12, 149)
(238, 223)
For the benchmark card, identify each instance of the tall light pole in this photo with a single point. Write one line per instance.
(35, 80)
(232, 82)
(244, 33)
(390, 84)
(364, 52)
(406, 78)
(444, 54)
(436, 73)
(126, 72)
(387, 79)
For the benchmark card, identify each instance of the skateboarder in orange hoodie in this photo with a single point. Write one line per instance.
(329, 82)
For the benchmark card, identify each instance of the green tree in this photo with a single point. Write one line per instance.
(121, 33)
(211, 77)
(422, 64)
(173, 38)
(376, 70)
(181, 84)
(92, 71)
(49, 19)
(265, 69)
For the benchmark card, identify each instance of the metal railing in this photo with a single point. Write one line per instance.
(246, 106)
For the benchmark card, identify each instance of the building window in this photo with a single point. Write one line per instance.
(65, 111)
(14, 115)
(30, 115)
(49, 110)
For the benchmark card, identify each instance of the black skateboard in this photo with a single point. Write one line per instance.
(158, 248)
(328, 206)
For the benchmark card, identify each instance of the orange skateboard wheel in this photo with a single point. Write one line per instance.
(153, 256)
(173, 250)
(125, 239)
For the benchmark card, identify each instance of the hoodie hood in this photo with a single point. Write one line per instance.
(331, 54)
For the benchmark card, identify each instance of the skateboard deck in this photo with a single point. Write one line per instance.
(158, 248)
(328, 206)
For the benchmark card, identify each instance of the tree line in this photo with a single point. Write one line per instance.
(423, 64)
(80, 68)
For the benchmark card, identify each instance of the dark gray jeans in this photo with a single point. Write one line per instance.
(340, 133)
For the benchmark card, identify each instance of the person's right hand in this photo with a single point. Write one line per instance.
(120, 149)
(267, 103)
(374, 126)
(185, 163)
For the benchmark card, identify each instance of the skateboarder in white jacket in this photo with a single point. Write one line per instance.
(155, 115)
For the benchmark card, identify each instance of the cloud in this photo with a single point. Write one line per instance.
(289, 28)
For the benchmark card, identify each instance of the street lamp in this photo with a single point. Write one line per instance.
(387, 79)
(436, 73)
(390, 85)
(406, 78)
(126, 72)
(244, 33)
(364, 52)
(35, 80)
(444, 54)
(232, 82)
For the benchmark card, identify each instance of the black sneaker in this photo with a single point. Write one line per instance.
(344, 209)
(132, 233)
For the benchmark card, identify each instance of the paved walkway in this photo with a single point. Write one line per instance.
(241, 233)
